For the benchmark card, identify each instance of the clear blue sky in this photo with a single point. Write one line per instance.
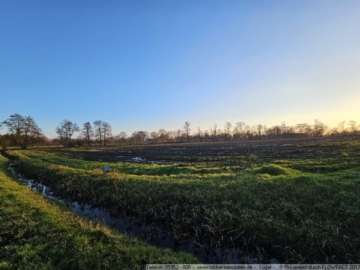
(147, 65)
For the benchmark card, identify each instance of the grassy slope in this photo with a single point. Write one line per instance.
(36, 233)
(124, 168)
(294, 210)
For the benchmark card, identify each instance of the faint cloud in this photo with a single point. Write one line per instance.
(296, 63)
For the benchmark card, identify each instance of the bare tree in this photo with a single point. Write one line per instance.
(206, 135)
(259, 128)
(88, 131)
(278, 131)
(353, 127)
(122, 136)
(304, 128)
(15, 125)
(162, 135)
(153, 135)
(143, 135)
(264, 129)
(178, 135)
(117, 139)
(299, 128)
(135, 137)
(79, 139)
(239, 130)
(106, 130)
(140, 136)
(227, 130)
(341, 127)
(187, 130)
(61, 134)
(200, 135)
(66, 130)
(31, 131)
(333, 131)
(319, 128)
(252, 131)
(98, 129)
(172, 135)
(24, 129)
(213, 132)
(284, 128)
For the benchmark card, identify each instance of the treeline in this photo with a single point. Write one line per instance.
(242, 131)
(100, 133)
(23, 131)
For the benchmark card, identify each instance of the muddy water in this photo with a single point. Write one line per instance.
(146, 232)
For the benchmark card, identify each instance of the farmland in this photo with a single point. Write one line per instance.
(294, 201)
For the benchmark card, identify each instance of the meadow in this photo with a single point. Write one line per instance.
(283, 201)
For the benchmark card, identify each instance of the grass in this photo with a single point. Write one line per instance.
(125, 168)
(296, 210)
(37, 233)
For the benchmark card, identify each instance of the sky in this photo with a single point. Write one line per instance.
(154, 64)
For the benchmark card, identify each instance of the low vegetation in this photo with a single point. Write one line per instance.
(293, 208)
(37, 233)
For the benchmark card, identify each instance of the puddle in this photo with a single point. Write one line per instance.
(141, 160)
(146, 232)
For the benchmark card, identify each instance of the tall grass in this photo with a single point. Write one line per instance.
(37, 233)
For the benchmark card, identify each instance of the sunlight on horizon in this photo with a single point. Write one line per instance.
(154, 65)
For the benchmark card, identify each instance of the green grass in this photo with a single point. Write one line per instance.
(294, 210)
(124, 168)
(37, 233)
(275, 170)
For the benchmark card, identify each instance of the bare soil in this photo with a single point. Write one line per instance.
(215, 153)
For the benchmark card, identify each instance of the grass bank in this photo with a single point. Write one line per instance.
(36, 233)
(292, 210)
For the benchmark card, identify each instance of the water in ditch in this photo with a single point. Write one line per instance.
(146, 232)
